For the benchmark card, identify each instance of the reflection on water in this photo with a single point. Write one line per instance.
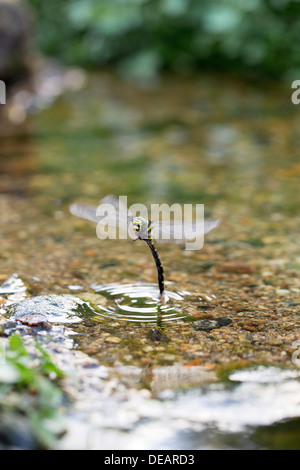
(222, 415)
(139, 303)
(249, 411)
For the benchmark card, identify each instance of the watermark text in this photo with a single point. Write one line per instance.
(296, 94)
(2, 92)
(165, 223)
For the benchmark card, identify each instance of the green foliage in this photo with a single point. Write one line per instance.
(29, 396)
(143, 37)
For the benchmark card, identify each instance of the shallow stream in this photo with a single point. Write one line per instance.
(213, 367)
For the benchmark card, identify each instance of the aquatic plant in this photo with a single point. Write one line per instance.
(29, 396)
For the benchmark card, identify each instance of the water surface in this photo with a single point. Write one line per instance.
(229, 145)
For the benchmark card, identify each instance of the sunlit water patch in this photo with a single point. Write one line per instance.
(139, 302)
(13, 290)
(222, 415)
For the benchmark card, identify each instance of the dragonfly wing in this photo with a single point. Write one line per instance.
(90, 212)
(121, 209)
(164, 233)
(177, 232)
(85, 211)
(211, 224)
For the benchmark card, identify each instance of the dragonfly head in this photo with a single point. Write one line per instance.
(140, 225)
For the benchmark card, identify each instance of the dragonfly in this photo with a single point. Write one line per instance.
(143, 229)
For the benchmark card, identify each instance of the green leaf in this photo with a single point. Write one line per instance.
(16, 345)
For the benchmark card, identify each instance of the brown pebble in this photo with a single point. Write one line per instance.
(112, 339)
(237, 267)
(195, 362)
(209, 366)
(90, 253)
(92, 348)
(35, 288)
(252, 325)
(270, 315)
(202, 315)
(34, 320)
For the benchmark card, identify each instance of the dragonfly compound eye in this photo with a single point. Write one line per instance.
(137, 225)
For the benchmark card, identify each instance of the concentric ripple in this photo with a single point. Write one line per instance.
(139, 303)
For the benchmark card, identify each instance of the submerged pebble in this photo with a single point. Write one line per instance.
(157, 335)
(34, 320)
(13, 285)
(179, 376)
(211, 323)
(46, 309)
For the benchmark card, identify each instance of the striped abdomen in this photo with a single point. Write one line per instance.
(160, 271)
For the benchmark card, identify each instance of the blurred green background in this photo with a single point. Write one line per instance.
(141, 38)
